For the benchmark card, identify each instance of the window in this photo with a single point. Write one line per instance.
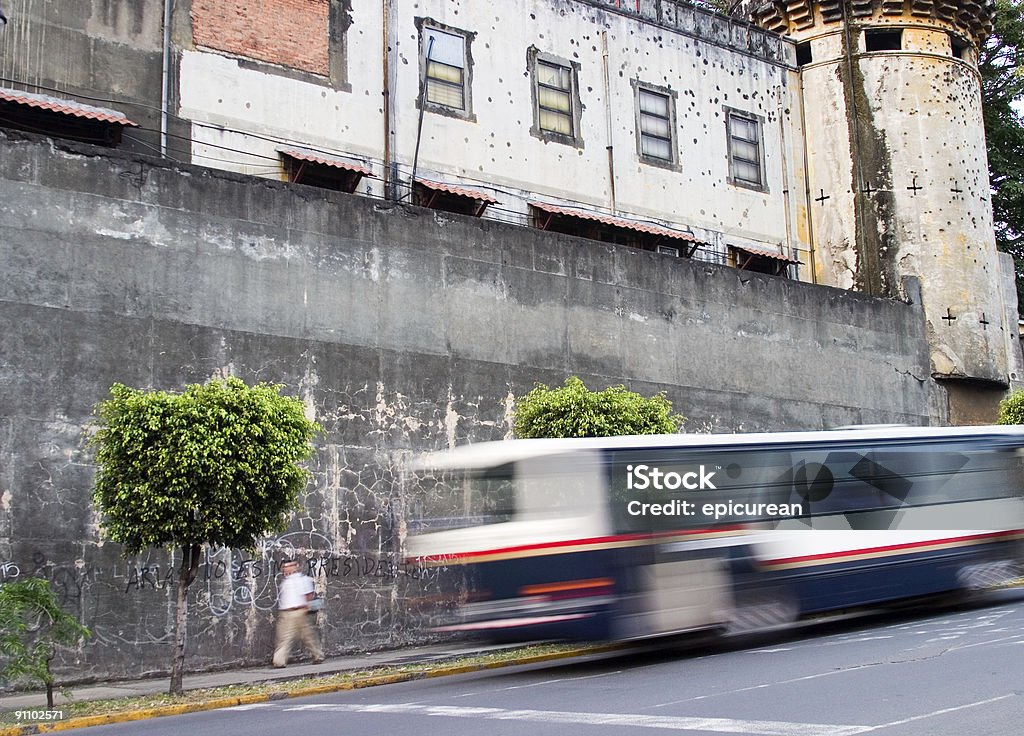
(746, 258)
(608, 229)
(883, 39)
(449, 198)
(745, 156)
(556, 99)
(62, 118)
(803, 54)
(655, 124)
(443, 63)
(316, 169)
(960, 48)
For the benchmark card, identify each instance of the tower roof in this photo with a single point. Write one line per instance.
(972, 17)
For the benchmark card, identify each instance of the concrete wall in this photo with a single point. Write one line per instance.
(402, 329)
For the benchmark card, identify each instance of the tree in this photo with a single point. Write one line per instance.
(1011, 409)
(32, 624)
(574, 411)
(1001, 63)
(214, 465)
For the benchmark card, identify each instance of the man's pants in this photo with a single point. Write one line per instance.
(291, 625)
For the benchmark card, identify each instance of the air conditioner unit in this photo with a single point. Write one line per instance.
(668, 250)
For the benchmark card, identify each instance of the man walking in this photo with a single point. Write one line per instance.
(292, 605)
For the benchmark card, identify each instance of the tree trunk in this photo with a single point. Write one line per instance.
(49, 676)
(186, 574)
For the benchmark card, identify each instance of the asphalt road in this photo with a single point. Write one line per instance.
(957, 672)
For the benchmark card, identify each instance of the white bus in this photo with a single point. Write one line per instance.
(632, 537)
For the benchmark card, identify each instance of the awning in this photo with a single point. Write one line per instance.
(315, 157)
(758, 252)
(457, 191)
(643, 227)
(65, 107)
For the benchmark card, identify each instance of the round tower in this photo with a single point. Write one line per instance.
(897, 170)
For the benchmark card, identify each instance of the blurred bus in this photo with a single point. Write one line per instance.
(633, 537)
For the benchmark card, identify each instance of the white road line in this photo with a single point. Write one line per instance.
(488, 691)
(251, 706)
(630, 720)
(760, 686)
(935, 713)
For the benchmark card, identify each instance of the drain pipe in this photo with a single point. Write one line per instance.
(608, 119)
(165, 84)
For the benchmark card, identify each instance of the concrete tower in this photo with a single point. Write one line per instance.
(897, 173)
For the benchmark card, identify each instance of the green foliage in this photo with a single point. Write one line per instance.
(216, 464)
(1001, 64)
(31, 625)
(1011, 409)
(574, 411)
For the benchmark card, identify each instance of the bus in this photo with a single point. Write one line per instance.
(626, 538)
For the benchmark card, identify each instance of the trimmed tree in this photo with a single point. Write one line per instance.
(572, 410)
(32, 624)
(217, 464)
(1011, 409)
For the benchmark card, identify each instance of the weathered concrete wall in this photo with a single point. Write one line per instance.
(403, 329)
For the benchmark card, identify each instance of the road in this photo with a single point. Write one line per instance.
(958, 671)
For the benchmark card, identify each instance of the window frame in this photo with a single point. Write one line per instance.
(732, 113)
(535, 58)
(883, 39)
(671, 97)
(424, 26)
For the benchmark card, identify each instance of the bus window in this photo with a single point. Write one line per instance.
(464, 498)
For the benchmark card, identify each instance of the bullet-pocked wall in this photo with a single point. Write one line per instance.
(634, 122)
(898, 174)
(402, 329)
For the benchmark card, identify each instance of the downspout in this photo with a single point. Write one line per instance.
(165, 83)
(787, 205)
(386, 62)
(608, 119)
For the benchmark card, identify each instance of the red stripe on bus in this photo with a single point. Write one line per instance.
(890, 548)
(592, 541)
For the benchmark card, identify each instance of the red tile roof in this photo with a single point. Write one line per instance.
(458, 191)
(765, 253)
(304, 154)
(65, 107)
(643, 227)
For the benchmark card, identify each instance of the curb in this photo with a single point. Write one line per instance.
(229, 702)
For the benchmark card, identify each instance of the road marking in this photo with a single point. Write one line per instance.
(943, 711)
(477, 693)
(251, 706)
(760, 686)
(631, 720)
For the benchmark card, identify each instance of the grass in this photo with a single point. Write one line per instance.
(285, 688)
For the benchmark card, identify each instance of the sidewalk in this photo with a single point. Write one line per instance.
(440, 654)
